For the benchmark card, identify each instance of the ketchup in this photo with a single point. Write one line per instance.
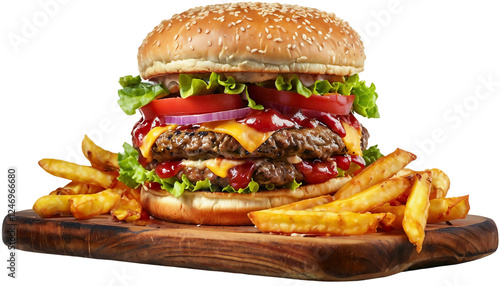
(239, 176)
(168, 169)
(351, 120)
(333, 123)
(141, 128)
(267, 120)
(344, 162)
(317, 171)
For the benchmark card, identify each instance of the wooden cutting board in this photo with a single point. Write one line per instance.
(243, 249)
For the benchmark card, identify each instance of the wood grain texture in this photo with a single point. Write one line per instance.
(245, 250)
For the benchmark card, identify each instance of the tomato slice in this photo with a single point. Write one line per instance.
(198, 104)
(332, 103)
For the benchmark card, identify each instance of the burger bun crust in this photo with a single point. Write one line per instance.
(217, 208)
(254, 38)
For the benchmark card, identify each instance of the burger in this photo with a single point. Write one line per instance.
(245, 106)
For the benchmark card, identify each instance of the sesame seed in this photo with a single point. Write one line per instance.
(254, 51)
(190, 39)
(207, 31)
(279, 40)
(302, 59)
(199, 30)
(237, 37)
(191, 47)
(269, 36)
(248, 48)
(209, 43)
(176, 37)
(243, 29)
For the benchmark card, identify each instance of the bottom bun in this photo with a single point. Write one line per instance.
(203, 207)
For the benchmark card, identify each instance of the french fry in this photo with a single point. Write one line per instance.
(52, 205)
(75, 188)
(306, 204)
(81, 206)
(446, 209)
(315, 223)
(77, 173)
(127, 209)
(440, 184)
(87, 206)
(370, 198)
(442, 209)
(417, 209)
(99, 158)
(378, 171)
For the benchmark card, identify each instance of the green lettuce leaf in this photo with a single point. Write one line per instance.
(133, 174)
(365, 97)
(135, 93)
(371, 155)
(190, 85)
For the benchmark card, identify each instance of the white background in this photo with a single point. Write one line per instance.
(431, 62)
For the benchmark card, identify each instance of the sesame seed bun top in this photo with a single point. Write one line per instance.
(251, 37)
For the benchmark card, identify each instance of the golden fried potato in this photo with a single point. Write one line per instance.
(99, 158)
(370, 198)
(378, 171)
(52, 205)
(87, 206)
(80, 206)
(446, 209)
(127, 209)
(76, 188)
(306, 204)
(417, 209)
(316, 223)
(78, 173)
(440, 182)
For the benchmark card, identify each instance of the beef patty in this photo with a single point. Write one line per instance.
(307, 143)
(276, 172)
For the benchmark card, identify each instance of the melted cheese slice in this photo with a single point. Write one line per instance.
(247, 136)
(352, 139)
(150, 138)
(218, 166)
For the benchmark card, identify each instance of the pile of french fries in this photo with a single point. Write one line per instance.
(383, 196)
(93, 190)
